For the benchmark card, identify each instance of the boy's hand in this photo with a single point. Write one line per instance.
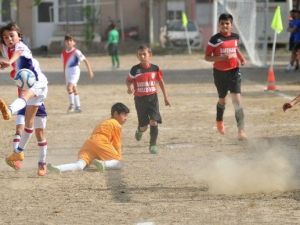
(286, 106)
(130, 90)
(167, 103)
(91, 75)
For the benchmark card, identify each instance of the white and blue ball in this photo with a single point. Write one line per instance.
(25, 78)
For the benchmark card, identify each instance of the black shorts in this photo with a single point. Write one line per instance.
(147, 109)
(229, 80)
(113, 49)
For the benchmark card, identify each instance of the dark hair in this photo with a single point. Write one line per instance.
(226, 16)
(144, 47)
(69, 37)
(119, 108)
(112, 26)
(10, 27)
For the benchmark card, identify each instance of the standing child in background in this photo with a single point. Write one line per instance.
(71, 58)
(104, 147)
(294, 29)
(112, 45)
(18, 56)
(222, 49)
(40, 121)
(141, 81)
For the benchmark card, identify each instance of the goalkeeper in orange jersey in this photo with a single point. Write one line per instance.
(103, 147)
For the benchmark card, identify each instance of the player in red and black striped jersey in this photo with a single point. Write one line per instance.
(222, 49)
(141, 81)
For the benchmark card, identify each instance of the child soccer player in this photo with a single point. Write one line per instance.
(18, 56)
(222, 49)
(112, 44)
(40, 121)
(141, 81)
(103, 147)
(71, 58)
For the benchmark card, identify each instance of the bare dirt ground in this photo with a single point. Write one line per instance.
(198, 177)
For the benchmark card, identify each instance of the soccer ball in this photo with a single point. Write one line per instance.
(25, 78)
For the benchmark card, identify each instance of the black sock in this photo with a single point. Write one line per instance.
(220, 112)
(153, 134)
(239, 116)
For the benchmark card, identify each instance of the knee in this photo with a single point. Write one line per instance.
(143, 129)
(153, 123)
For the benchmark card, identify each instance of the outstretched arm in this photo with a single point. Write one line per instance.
(290, 104)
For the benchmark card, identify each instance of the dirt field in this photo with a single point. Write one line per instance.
(198, 177)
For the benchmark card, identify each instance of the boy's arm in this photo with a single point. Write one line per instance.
(212, 58)
(164, 91)
(7, 62)
(89, 68)
(129, 86)
(240, 56)
(290, 104)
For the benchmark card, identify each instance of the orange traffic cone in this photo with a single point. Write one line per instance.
(271, 81)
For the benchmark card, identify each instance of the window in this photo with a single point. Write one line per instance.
(6, 10)
(70, 11)
(45, 12)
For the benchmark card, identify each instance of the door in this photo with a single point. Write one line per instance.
(44, 23)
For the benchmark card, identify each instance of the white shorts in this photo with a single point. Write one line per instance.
(39, 122)
(40, 95)
(72, 75)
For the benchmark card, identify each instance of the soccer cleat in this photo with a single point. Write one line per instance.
(99, 165)
(53, 169)
(71, 109)
(138, 135)
(78, 110)
(6, 113)
(242, 135)
(153, 149)
(14, 159)
(42, 169)
(220, 127)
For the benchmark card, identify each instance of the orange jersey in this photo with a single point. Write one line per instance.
(104, 142)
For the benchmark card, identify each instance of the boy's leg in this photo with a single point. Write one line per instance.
(239, 115)
(71, 97)
(153, 137)
(77, 100)
(40, 125)
(107, 164)
(219, 117)
(79, 165)
(18, 154)
(117, 60)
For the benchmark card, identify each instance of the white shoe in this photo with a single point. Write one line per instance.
(99, 165)
(71, 109)
(289, 67)
(53, 169)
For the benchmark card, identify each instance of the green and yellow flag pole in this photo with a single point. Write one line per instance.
(185, 24)
(277, 27)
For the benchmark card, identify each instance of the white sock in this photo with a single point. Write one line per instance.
(16, 141)
(71, 98)
(18, 104)
(77, 101)
(43, 150)
(112, 164)
(79, 165)
(25, 137)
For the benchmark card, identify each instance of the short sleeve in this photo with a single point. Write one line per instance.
(80, 56)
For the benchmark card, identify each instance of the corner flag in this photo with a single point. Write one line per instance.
(184, 19)
(277, 22)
